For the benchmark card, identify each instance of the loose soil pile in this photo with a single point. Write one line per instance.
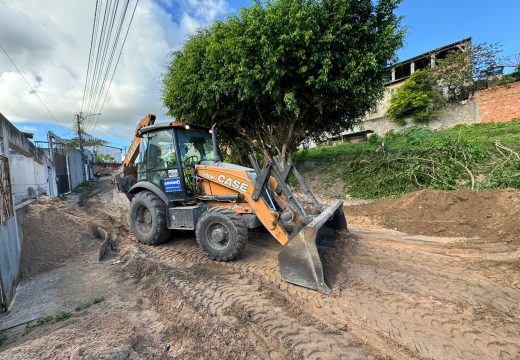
(393, 296)
(54, 232)
(491, 215)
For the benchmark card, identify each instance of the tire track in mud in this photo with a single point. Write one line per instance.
(326, 311)
(397, 312)
(426, 299)
(227, 295)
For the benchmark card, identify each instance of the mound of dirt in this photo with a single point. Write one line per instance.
(53, 234)
(490, 215)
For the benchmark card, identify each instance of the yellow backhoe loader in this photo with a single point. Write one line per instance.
(181, 182)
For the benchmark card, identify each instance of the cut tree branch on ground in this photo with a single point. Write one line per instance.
(469, 173)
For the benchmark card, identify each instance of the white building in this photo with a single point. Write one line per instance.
(113, 151)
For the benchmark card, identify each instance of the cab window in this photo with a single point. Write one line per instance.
(160, 151)
(196, 144)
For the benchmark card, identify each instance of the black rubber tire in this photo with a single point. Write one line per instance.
(236, 233)
(156, 231)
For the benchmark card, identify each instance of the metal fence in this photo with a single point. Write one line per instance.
(72, 168)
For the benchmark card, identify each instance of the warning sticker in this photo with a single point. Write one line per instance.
(172, 184)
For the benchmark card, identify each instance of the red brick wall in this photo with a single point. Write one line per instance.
(499, 104)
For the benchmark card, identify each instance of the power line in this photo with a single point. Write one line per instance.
(112, 52)
(90, 53)
(117, 63)
(96, 66)
(98, 85)
(30, 87)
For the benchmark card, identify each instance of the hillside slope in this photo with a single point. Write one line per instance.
(481, 156)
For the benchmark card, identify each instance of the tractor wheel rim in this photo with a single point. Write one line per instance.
(218, 236)
(144, 219)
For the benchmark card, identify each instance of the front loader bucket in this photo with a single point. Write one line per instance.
(300, 261)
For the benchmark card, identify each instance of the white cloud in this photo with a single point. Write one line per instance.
(50, 41)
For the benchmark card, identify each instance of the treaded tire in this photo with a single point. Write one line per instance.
(148, 218)
(217, 220)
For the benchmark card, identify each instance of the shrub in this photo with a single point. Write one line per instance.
(418, 98)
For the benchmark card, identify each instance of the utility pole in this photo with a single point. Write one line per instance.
(79, 120)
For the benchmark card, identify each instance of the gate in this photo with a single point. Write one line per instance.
(60, 161)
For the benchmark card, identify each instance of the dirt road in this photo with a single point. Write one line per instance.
(394, 296)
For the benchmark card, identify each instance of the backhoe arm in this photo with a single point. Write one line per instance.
(135, 147)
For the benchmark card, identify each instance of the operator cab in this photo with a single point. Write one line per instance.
(168, 156)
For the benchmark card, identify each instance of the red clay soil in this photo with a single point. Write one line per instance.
(491, 215)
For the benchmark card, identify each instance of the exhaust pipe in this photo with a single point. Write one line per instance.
(300, 261)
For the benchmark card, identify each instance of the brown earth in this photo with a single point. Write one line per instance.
(53, 234)
(394, 296)
(490, 216)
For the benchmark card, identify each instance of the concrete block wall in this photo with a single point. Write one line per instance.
(30, 173)
(496, 104)
(500, 103)
(453, 114)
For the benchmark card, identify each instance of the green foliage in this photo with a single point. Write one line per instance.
(40, 322)
(460, 73)
(463, 72)
(455, 74)
(89, 304)
(84, 186)
(62, 316)
(477, 156)
(275, 74)
(412, 159)
(508, 133)
(418, 98)
(104, 158)
(505, 175)
(86, 140)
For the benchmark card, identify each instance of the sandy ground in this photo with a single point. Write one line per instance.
(395, 295)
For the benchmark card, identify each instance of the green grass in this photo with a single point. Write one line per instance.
(84, 186)
(89, 304)
(62, 316)
(508, 133)
(40, 322)
(416, 158)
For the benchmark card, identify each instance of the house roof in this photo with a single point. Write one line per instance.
(445, 47)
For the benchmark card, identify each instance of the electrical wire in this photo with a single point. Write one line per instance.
(32, 89)
(112, 53)
(98, 85)
(117, 63)
(96, 64)
(90, 53)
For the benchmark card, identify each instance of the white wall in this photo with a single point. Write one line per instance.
(29, 178)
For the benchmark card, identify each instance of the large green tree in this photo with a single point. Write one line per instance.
(276, 74)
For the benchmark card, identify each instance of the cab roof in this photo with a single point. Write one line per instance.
(171, 125)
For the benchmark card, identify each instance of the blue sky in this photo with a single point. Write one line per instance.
(430, 24)
(434, 23)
